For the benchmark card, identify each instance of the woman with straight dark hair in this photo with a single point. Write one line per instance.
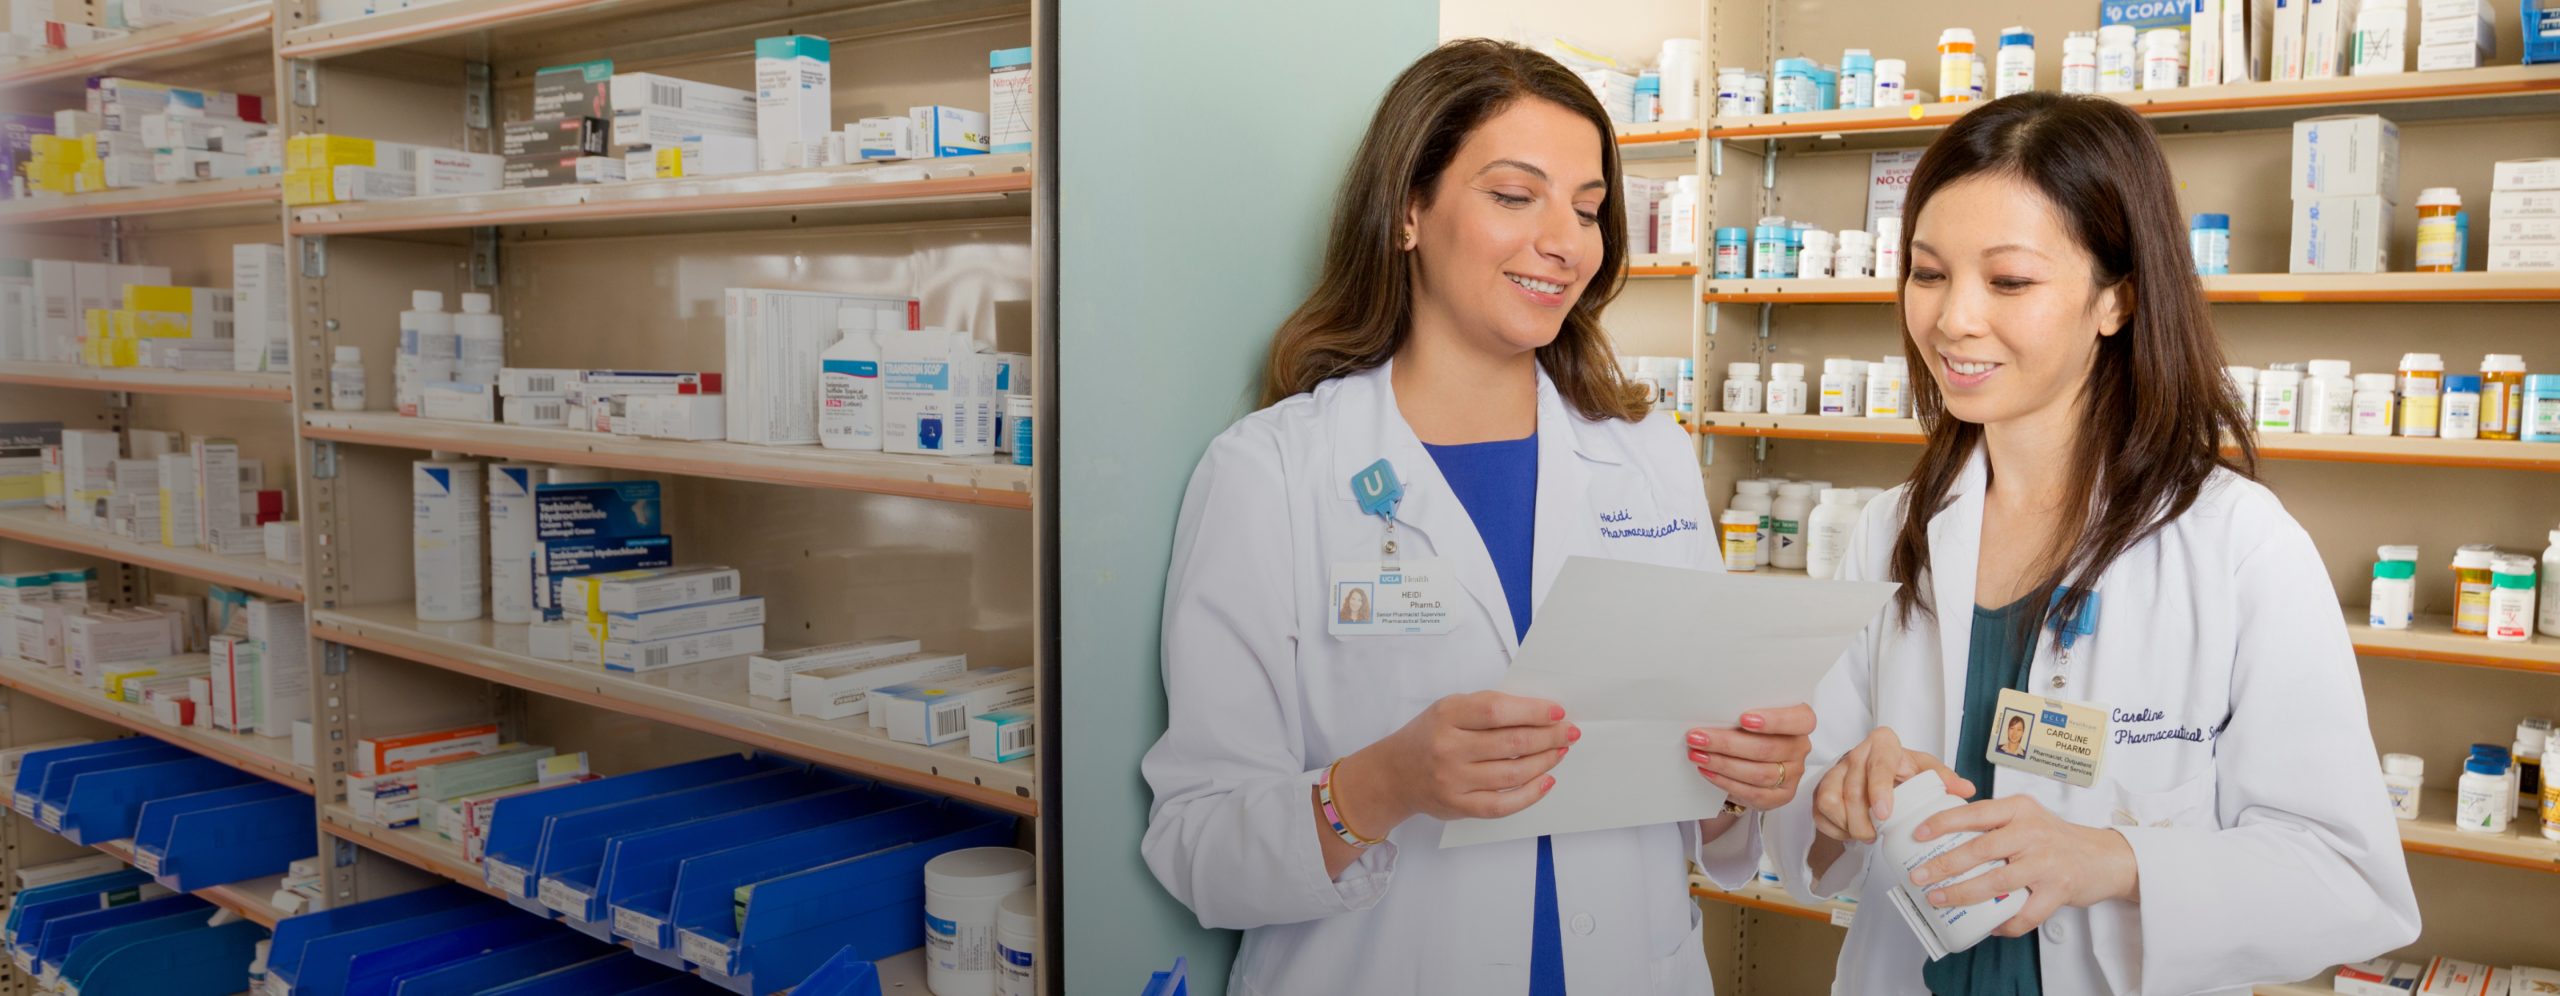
(2197, 808)
(1445, 424)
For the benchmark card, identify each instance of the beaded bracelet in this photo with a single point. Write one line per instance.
(1333, 814)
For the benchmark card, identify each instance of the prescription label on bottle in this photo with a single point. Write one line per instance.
(1408, 598)
(2049, 738)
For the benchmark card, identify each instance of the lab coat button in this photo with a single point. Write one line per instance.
(2052, 932)
(1582, 924)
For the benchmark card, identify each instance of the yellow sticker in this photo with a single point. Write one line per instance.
(1915, 112)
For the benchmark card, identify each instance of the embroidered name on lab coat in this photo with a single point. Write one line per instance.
(2191, 734)
(1610, 530)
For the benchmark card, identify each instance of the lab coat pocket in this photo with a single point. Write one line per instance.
(2189, 804)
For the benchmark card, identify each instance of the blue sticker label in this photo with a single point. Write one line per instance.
(2055, 719)
(852, 368)
(941, 926)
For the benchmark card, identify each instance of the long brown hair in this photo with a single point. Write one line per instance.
(1357, 315)
(2158, 404)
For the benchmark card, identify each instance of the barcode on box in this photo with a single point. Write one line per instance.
(1015, 740)
(666, 95)
(550, 411)
(545, 384)
(723, 585)
(949, 723)
(654, 657)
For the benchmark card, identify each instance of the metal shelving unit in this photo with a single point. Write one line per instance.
(842, 543)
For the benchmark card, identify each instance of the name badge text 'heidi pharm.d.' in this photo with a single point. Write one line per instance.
(1413, 598)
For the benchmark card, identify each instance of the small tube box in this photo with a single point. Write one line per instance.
(936, 712)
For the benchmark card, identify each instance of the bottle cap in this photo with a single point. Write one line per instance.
(2017, 36)
(2475, 557)
(1740, 517)
(475, 303)
(1795, 489)
(2511, 571)
(2394, 570)
(426, 300)
(1742, 371)
(2440, 197)
(2421, 361)
(1751, 487)
(2462, 384)
(1839, 496)
(2220, 222)
(2245, 375)
(350, 354)
(1857, 59)
(1736, 235)
(1837, 365)
(2531, 738)
(2485, 766)
(2408, 552)
(1956, 36)
(2329, 368)
(2117, 34)
(1786, 371)
(2376, 382)
(2406, 765)
(2502, 363)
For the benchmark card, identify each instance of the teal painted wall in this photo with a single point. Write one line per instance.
(1199, 147)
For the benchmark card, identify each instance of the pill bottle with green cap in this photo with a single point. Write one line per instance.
(2395, 588)
(2511, 598)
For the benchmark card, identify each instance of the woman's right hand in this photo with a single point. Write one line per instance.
(1857, 793)
(1480, 755)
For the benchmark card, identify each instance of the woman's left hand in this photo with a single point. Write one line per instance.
(1761, 765)
(2059, 863)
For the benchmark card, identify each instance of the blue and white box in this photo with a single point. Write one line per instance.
(555, 560)
(948, 131)
(794, 100)
(1010, 104)
(606, 510)
(1002, 736)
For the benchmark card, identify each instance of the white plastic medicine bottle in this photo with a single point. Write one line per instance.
(1786, 525)
(2374, 401)
(1742, 387)
(1786, 389)
(849, 400)
(1755, 497)
(346, 380)
(1827, 531)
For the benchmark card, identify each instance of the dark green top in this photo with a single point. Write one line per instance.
(2002, 649)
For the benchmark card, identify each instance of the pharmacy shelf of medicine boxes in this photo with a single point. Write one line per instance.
(880, 193)
(231, 198)
(235, 33)
(253, 573)
(710, 697)
(271, 758)
(990, 481)
(2238, 288)
(150, 380)
(2396, 450)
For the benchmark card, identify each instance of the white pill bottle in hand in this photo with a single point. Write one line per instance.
(1942, 931)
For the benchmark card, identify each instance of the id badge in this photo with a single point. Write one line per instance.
(1412, 599)
(2049, 738)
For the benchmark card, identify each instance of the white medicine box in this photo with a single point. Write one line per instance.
(938, 394)
(2346, 155)
(2341, 234)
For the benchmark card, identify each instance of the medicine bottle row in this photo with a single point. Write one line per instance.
(1848, 389)
(1790, 525)
(1671, 380)
(1779, 249)
(2498, 783)
(1633, 92)
(2494, 591)
(2324, 397)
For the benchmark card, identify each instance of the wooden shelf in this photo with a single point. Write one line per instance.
(539, 31)
(147, 380)
(2522, 846)
(992, 481)
(1657, 141)
(414, 847)
(45, 527)
(1662, 264)
(2236, 288)
(239, 32)
(2489, 91)
(930, 189)
(270, 758)
(710, 697)
(2393, 450)
(248, 897)
(132, 202)
(2432, 639)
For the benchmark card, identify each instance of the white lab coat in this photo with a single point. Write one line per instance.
(2239, 763)
(1263, 698)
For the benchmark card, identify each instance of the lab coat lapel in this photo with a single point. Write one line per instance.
(1565, 527)
(1429, 508)
(1955, 550)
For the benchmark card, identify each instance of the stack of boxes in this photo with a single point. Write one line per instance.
(2345, 174)
(22, 466)
(775, 339)
(324, 168)
(667, 404)
(2524, 216)
(113, 316)
(173, 328)
(591, 528)
(134, 133)
(564, 142)
(668, 127)
(180, 493)
(2456, 34)
(450, 780)
(647, 620)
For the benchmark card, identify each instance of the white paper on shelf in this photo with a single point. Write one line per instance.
(1619, 646)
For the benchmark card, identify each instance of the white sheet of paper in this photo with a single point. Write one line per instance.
(1639, 654)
